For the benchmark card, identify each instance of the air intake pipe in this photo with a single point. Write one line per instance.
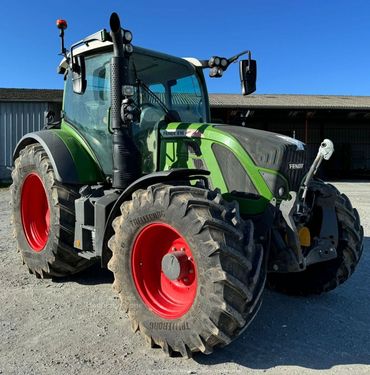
(126, 157)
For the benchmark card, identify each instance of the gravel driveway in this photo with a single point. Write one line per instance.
(74, 325)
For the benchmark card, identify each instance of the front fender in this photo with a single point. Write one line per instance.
(71, 163)
(172, 176)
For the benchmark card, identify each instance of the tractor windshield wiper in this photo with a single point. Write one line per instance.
(152, 95)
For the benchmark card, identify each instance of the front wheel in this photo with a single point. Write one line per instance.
(325, 276)
(186, 268)
(43, 216)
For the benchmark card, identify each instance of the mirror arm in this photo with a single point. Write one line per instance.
(234, 58)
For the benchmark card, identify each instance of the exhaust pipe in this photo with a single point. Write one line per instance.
(126, 156)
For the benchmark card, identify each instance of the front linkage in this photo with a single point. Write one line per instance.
(293, 216)
(317, 239)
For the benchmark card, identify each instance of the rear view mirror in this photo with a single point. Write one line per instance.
(248, 76)
(50, 117)
(78, 74)
(51, 121)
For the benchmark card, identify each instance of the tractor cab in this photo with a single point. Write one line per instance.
(151, 89)
(165, 89)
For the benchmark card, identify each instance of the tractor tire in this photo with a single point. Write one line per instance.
(215, 291)
(43, 216)
(326, 276)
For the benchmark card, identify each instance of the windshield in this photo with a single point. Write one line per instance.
(171, 83)
(167, 89)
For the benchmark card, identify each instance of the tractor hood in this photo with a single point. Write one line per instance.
(272, 151)
(239, 151)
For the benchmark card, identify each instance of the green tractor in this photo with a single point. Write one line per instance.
(192, 218)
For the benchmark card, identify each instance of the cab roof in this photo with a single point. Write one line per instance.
(96, 45)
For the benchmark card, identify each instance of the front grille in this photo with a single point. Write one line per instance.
(293, 158)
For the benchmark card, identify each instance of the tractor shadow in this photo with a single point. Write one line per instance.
(317, 332)
(94, 275)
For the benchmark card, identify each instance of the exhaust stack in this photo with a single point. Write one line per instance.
(126, 157)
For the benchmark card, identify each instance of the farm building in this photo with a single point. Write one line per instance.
(309, 118)
(22, 111)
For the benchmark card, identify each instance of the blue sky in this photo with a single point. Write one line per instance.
(301, 46)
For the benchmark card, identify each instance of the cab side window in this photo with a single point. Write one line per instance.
(89, 112)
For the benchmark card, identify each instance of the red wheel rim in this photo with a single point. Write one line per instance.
(169, 299)
(35, 212)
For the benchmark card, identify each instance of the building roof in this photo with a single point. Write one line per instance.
(276, 101)
(30, 95)
(258, 101)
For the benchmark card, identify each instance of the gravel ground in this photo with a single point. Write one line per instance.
(74, 326)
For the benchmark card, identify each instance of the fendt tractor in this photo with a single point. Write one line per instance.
(193, 218)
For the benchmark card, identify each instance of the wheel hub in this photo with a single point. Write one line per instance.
(164, 271)
(175, 265)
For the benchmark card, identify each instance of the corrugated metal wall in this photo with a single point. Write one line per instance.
(17, 119)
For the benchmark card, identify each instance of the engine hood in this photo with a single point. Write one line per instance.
(264, 155)
(272, 151)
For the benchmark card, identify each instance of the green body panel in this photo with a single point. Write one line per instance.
(174, 153)
(87, 165)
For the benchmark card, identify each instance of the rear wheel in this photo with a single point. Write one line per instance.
(43, 216)
(186, 268)
(325, 276)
